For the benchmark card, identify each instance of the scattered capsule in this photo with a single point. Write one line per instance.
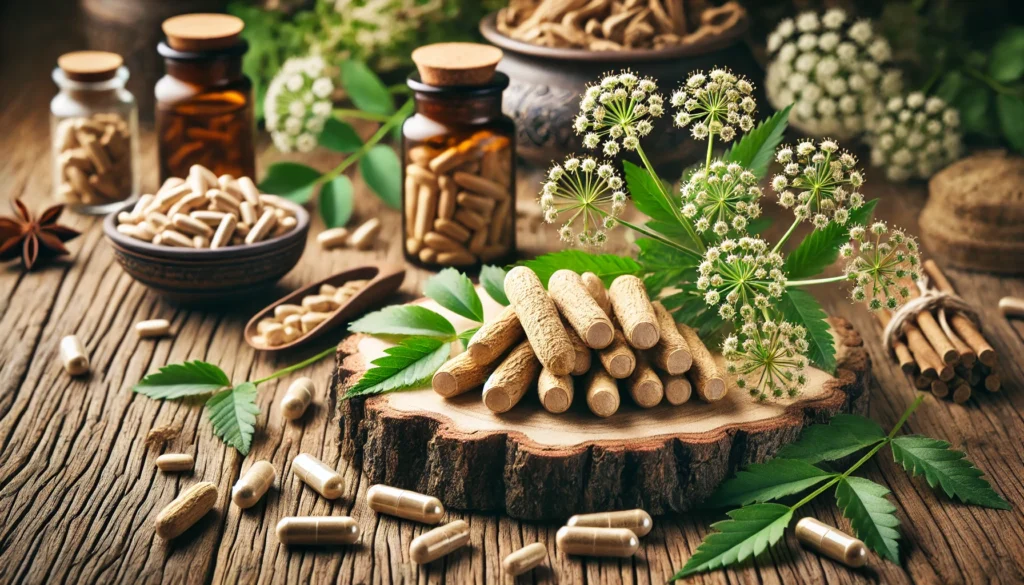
(186, 510)
(831, 542)
(597, 542)
(637, 521)
(175, 462)
(406, 504)
(296, 400)
(524, 559)
(73, 356)
(317, 530)
(153, 328)
(253, 484)
(326, 481)
(439, 542)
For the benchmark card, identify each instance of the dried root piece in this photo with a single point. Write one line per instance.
(510, 381)
(707, 381)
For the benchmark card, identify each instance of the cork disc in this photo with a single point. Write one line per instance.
(202, 32)
(89, 65)
(456, 64)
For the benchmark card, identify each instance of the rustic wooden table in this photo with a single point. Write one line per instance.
(79, 491)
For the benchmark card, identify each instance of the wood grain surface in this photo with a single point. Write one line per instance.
(79, 489)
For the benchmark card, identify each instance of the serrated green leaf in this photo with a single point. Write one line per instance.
(644, 191)
(820, 248)
(175, 381)
(340, 136)
(945, 467)
(1011, 119)
(763, 482)
(409, 364)
(292, 181)
(756, 149)
(382, 171)
(665, 266)
(454, 291)
(749, 531)
(233, 415)
(493, 280)
(466, 335)
(691, 309)
(1006, 63)
(365, 89)
(843, 435)
(872, 516)
(800, 308)
(607, 267)
(336, 202)
(404, 320)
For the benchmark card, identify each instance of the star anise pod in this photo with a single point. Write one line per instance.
(25, 236)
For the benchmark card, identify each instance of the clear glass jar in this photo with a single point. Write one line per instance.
(94, 133)
(459, 176)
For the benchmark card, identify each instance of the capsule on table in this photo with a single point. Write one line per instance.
(253, 484)
(326, 481)
(153, 328)
(175, 462)
(597, 542)
(637, 521)
(317, 530)
(410, 505)
(524, 559)
(73, 356)
(439, 542)
(831, 542)
(296, 400)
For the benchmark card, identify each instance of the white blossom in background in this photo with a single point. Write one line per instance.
(375, 26)
(298, 103)
(616, 112)
(767, 358)
(721, 198)
(585, 196)
(913, 137)
(832, 70)
(718, 103)
(819, 182)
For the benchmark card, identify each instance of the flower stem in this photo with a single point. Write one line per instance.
(816, 281)
(379, 135)
(329, 351)
(711, 142)
(661, 238)
(992, 83)
(668, 201)
(360, 114)
(785, 237)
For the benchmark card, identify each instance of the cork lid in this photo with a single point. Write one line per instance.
(195, 33)
(89, 65)
(456, 64)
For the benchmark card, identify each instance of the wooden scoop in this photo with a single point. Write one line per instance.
(383, 280)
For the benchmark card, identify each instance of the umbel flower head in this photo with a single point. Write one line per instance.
(913, 137)
(617, 112)
(298, 103)
(883, 264)
(767, 358)
(831, 70)
(720, 198)
(716, 104)
(819, 182)
(585, 196)
(741, 277)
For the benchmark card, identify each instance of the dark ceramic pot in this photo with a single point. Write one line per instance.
(225, 275)
(546, 84)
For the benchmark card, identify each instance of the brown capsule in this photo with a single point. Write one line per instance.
(410, 505)
(326, 481)
(439, 542)
(253, 484)
(317, 530)
(186, 510)
(175, 462)
(524, 559)
(296, 400)
(831, 542)
(637, 521)
(597, 542)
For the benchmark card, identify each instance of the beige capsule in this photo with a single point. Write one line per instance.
(200, 242)
(524, 559)
(153, 328)
(175, 462)
(831, 542)
(262, 228)
(73, 356)
(410, 505)
(253, 484)
(311, 320)
(317, 530)
(326, 481)
(439, 542)
(597, 542)
(296, 400)
(318, 303)
(285, 310)
(273, 333)
(142, 231)
(365, 235)
(637, 521)
(332, 238)
(225, 229)
(186, 510)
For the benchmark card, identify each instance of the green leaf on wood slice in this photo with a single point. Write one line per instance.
(290, 180)
(365, 89)
(233, 414)
(872, 516)
(454, 291)
(493, 280)
(175, 381)
(1011, 119)
(340, 136)
(756, 150)
(820, 248)
(800, 308)
(748, 532)
(404, 320)
(644, 191)
(946, 467)
(382, 171)
(763, 482)
(409, 364)
(843, 435)
(466, 335)
(606, 266)
(336, 202)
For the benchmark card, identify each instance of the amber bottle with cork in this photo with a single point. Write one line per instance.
(204, 104)
(459, 155)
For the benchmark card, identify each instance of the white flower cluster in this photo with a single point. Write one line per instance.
(767, 358)
(374, 26)
(830, 70)
(882, 264)
(825, 179)
(914, 137)
(716, 104)
(298, 103)
(584, 192)
(617, 111)
(720, 198)
(741, 277)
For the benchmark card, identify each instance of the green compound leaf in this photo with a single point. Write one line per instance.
(382, 171)
(749, 531)
(800, 308)
(1007, 61)
(454, 291)
(820, 248)
(606, 266)
(233, 415)
(336, 202)
(763, 482)
(665, 266)
(945, 467)
(409, 364)
(872, 516)
(365, 89)
(290, 180)
(404, 320)
(340, 136)
(1011, 119)
(175, 381)
(756, 149)
(493, 280)
(843, 435)
(466, 335)
(644, 191)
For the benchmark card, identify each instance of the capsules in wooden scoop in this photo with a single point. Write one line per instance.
(637, 521)
(439, 542)
(524, 559)
(186, 510)
(410, 505)
(175, 462)
(597, 542)
(296, 400)
(326, 481)
(253, 484)
(831, 542)
(317, 530)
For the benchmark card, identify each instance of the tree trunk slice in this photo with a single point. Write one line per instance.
(535, 465)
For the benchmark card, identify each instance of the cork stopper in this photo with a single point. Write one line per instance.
(195, 33)
(89, 65)
(456, 64)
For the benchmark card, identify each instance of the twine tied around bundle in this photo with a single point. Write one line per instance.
(929, 300)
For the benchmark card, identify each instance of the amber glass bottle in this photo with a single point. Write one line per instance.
(204, 104)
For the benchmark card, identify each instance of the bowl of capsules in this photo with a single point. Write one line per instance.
(204, 238)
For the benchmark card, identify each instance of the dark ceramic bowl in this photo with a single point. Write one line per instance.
(208, 276)
(546, 84)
